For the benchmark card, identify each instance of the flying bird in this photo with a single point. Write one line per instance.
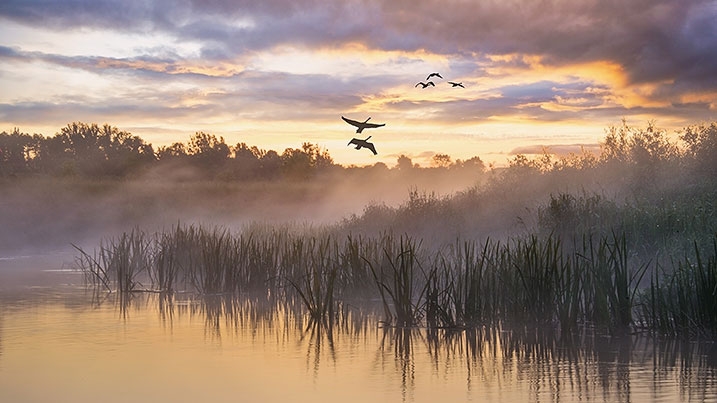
(456, 84)
(363, 144)
(433, 75)
(424, 85)
(362, 125)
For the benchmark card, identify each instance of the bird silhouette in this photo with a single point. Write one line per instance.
(456, 84)
(362, 125)
(433, 75)
(424, 85)
(363, 144)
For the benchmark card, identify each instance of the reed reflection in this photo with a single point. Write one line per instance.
(401, 340)
(316, 335)
(550, 362)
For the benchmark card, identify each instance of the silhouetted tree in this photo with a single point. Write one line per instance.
(474, 163)
(576, 162)
(174, 151)
(208, 152)
(701, 149)
(16, 151)
(403, 163)
(441, 160)
(245, 164)
(305, 162)
(124, 152)
(91, 150)
(295, 163)
(270, 163)
(636, 146)
(320, 158)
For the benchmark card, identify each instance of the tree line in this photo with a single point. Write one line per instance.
(89, 150)
(93, 151)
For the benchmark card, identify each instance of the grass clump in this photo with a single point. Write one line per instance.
(683, 300)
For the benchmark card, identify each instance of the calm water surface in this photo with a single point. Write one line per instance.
(61, 343)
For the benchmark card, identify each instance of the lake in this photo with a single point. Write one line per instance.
(62, 342)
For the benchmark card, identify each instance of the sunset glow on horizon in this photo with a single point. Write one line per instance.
(279, 73)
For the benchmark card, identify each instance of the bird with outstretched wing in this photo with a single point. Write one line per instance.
(362, 125)
(360, 143)
(424, 85)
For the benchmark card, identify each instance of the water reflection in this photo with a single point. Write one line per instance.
(411, 364)
(551, 363)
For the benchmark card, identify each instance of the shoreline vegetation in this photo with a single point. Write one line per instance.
(622, 241)
(533, 280)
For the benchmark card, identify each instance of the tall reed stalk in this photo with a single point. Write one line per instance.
(684, 300)
(612, 284)
(317, 279)
(397, 280)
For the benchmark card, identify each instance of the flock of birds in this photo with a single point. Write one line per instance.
(430, 83)
(360, 126)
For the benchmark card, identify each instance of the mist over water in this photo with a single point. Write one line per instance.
(45, 214)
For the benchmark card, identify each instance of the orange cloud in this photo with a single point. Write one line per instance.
(216, 69)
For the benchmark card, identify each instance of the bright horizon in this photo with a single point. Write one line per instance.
(276, 74)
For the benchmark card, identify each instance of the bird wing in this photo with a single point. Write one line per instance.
(352, 122)
(371, 147)
(371, 125)
(353, 141)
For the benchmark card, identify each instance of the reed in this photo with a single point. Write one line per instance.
(570, 286)
(535, 266)
(166, 262)
(440, 300)
(94, 273)
(462, 287)
(611, 283)
(534, 279)
(396, 277)
(316, 277)
(683, 300)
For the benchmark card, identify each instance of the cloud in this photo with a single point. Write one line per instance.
(251, 62)
(654, 40)
(145, 64)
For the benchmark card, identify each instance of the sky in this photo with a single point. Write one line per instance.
(538, 74)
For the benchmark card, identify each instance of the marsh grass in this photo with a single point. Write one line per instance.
(94, 273)
(611, 283)
(536, 279)
(124, 261)
(317, 274)
(533, 276)
(397, 279)
(683, 300)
